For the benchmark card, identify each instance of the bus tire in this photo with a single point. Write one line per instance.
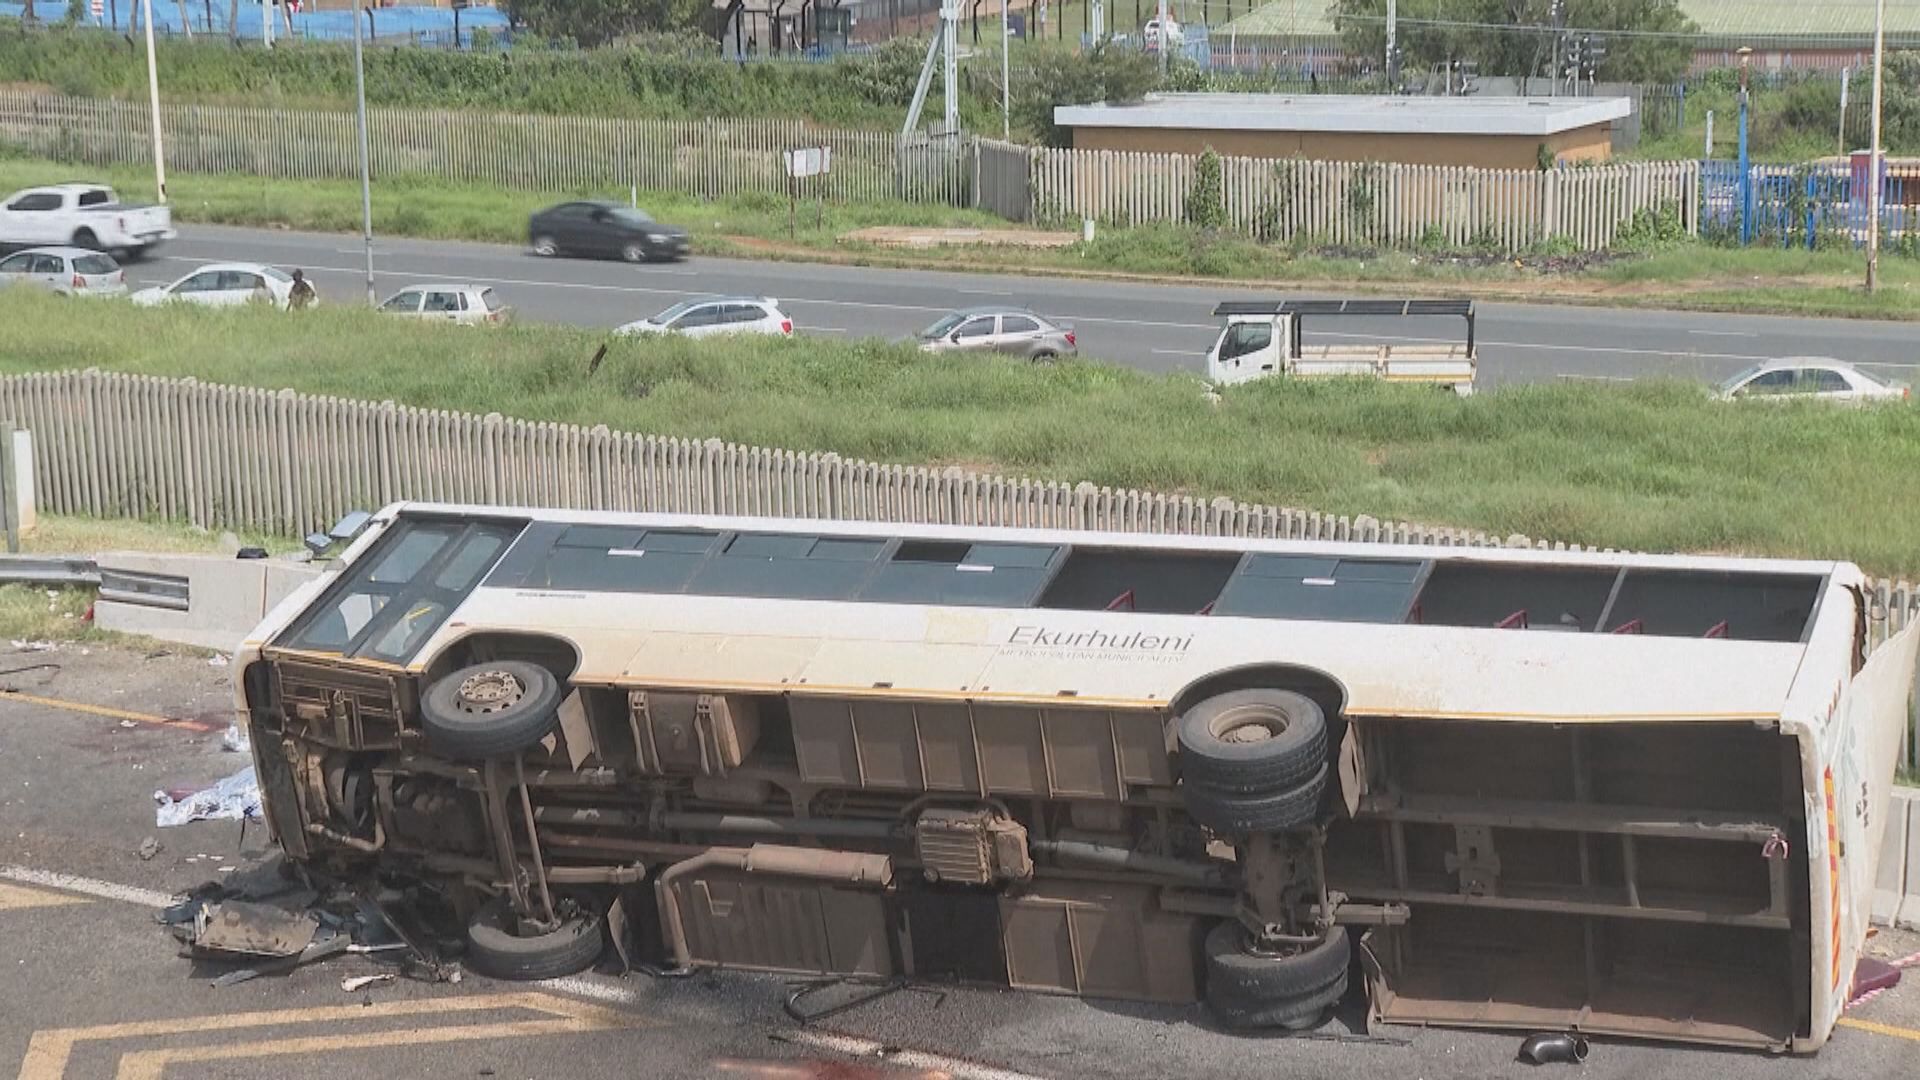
(1252, 741)
(1248, 989)
(490, 709)
(1238, 813)
(494, 949)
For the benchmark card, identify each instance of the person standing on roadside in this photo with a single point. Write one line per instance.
(302, 294)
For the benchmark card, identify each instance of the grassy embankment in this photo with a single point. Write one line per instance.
(1652, 466)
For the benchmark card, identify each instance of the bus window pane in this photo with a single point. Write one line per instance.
(467, 564)
(341, 622)
(412, 552)
(409, 633)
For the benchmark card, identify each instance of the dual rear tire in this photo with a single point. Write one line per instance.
(1293, 991)
(1254, 761)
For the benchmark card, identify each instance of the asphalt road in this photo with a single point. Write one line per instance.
(95, 989)
(1150, 327)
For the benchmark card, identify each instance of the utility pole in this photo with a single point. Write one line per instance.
(266, 23)
(1558, 33)
(1163, 39)
(153, 97)
(1873, 152)
(366, 170)
(1006, 72)
(1393, 45)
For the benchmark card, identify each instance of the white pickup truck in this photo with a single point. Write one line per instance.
(83, 215)
(1263, 339)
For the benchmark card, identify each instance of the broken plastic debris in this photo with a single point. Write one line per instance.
(235, 739)
(217, 660)
(361, 982)
(149, 848)
(235, 798)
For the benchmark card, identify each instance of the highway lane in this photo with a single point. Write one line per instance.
(1150, 327)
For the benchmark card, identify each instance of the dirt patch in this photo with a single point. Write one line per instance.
(906, 236)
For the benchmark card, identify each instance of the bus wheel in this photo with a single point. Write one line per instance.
(1252, 742)
(1250, 988)
(493, 948)
(490, 709)
(1239, 813)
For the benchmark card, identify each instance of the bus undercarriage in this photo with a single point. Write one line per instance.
(1249, 845)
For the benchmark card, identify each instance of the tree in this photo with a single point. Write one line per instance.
(1102, 73)
(1516, 38)
(597, 22)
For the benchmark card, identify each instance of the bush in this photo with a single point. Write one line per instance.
(1206, 201)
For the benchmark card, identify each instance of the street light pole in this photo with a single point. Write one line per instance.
(366, 171)
(153, 96)
(1873, 152)
(1006, 71)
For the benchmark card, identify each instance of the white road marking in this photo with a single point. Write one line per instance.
(1884, 363)
(913, 1059)
(821, 329)
(587, 988)
(1724, 333)
(106, 890)
(1595, 378)
(1179, 352)
(985, 292)
(1551, 347)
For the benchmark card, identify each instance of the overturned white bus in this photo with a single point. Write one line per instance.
(1619, 794)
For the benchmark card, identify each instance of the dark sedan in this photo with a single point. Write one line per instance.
(604, 230)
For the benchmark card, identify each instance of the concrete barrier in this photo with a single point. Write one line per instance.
(225, 597)
(1896, 886)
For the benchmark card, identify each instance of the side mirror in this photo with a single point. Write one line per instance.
(954, 337)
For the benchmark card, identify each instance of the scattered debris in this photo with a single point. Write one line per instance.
(148, 849)
(217, 660)
(361, 982)
(277, 916)
(236, 797)
(235, 740)
(1553, 1047)
(251, 929)
(128, 724)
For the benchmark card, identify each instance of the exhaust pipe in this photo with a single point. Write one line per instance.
(778, 860)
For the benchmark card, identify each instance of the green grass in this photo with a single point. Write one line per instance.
(59, 534)
(1652, 466)
(36, 613)
(1692, 275)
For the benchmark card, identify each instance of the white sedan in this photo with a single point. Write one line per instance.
(223, 285)
(65, 270)
(1808, 377)
(463, 305)
(720, 315)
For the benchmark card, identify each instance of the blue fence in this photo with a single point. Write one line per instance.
(1800, 206)
(420, 25)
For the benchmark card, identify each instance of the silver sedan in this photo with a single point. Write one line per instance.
(1009, 331)
(68, 271)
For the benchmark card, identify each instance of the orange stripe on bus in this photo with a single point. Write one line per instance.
(1833, 871)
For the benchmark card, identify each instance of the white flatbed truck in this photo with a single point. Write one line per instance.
(1267, 338)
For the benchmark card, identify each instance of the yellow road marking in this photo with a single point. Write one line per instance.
(152, 1064)
(49, 1051)
(13, 898)
(103, 710)
(1881, 1029)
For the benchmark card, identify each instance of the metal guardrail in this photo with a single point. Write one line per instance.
(165, 591)
(49, 570)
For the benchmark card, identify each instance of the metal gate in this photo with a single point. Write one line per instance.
(1003, 187)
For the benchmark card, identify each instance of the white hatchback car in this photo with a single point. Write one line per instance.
(223, 285)
(465, 305)
(68, 271)
(717, 315)
(1810, 377)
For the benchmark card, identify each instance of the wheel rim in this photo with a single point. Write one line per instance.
(544, 246)
(634, 253)
(1245, 727)
(489, 692)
